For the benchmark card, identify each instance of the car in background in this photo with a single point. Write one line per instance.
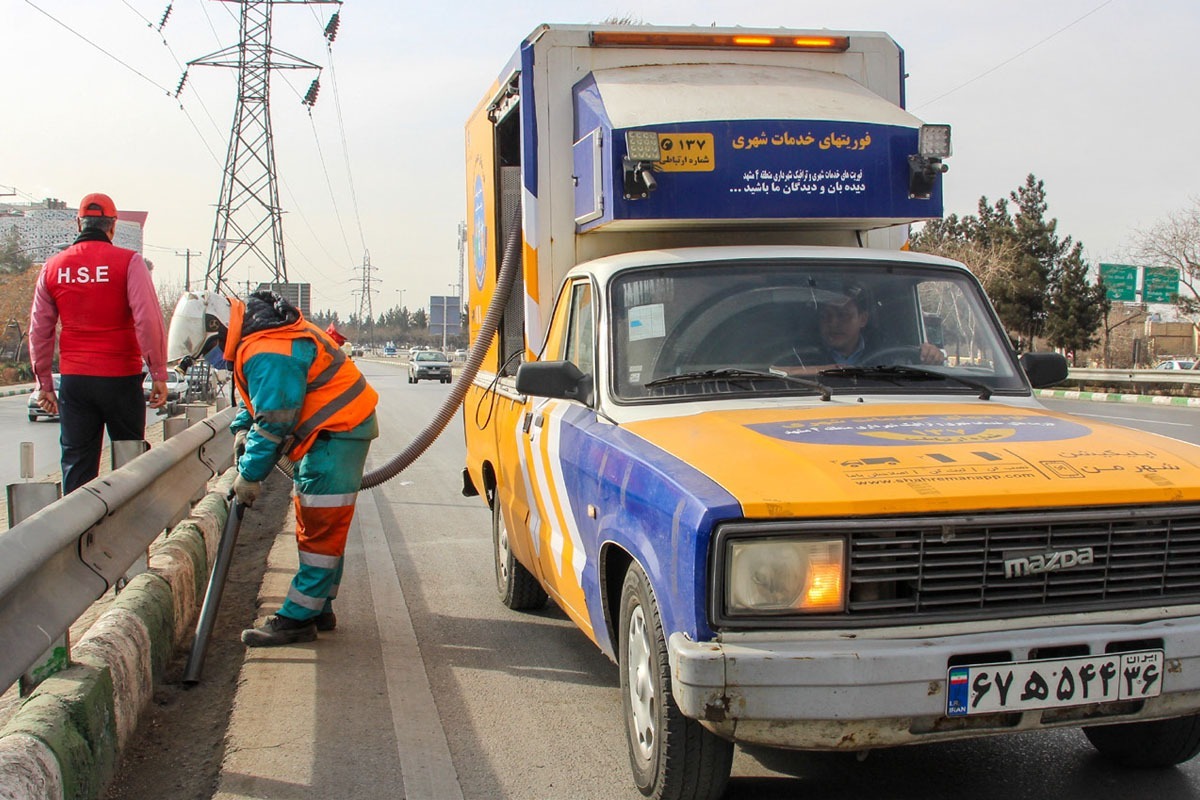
(389, 350)
(35, 411)
(1176, 363)
(460, 354)
(429, 365)
(177, 386)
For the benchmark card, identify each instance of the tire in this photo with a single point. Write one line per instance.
(515, 585)
(1158, 743)
(33, 417)
(673, 757)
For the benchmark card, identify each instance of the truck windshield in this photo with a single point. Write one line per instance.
(805, 327)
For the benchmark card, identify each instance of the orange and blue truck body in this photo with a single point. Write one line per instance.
(836, 554)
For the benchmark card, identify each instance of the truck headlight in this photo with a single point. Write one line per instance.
(773, 575)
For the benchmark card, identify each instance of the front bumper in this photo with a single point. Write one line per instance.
(433, 372)
(855, 692)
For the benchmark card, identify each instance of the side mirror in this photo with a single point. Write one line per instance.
(1044, 369)
(559, 379)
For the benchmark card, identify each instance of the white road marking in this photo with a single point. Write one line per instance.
(425, 760)
(1142, 420)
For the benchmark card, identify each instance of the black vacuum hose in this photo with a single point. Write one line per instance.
(491, 321)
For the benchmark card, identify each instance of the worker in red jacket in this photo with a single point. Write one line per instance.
(112, 328)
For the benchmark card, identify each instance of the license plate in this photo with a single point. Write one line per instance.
(1053, 683)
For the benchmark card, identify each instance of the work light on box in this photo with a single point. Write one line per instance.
(642, 146)
(933, 141)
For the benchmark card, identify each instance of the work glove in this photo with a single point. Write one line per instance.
(247, 491)
(239, 444)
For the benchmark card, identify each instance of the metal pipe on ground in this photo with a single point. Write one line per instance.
(212, 595)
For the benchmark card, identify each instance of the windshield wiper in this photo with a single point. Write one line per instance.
(734, 374)
(897, 371)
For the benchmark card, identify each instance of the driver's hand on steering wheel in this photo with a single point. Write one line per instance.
(932, 354)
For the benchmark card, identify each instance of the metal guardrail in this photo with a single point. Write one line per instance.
(1157, 377)
(60, 560)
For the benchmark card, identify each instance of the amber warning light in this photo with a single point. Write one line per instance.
(833, 44)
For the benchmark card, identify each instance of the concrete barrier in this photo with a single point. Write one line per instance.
(66, 738)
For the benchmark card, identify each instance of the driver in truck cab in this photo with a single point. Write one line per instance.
(842, 322)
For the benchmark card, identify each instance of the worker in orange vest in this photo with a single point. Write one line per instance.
(304, 399)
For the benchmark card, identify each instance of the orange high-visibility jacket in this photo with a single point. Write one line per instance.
(337, 396)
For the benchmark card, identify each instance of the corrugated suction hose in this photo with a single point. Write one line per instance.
(491, 321)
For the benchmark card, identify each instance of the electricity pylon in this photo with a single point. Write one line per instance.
(249, 221)
(366, 318)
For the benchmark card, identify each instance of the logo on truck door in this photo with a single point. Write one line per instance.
(479, 234)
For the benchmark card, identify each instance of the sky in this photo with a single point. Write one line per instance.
(1098, 98)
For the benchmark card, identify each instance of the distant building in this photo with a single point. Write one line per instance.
(298, 294)
(47, 227)
(445, 315)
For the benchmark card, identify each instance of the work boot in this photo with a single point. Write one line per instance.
(276, 630)
(326, 620)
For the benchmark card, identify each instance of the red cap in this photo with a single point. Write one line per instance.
(97, 205)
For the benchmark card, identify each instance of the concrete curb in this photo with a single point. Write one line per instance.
(67, 737)
(12, 391)
(1114, 397)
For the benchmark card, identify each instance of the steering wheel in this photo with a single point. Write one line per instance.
(893, 354)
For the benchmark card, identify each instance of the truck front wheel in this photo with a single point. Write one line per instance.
(672, 756)
(515, 585)
(1158, 743)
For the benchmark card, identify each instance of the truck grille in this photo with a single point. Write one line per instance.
(954, 567)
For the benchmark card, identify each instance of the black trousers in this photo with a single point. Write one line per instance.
(87, 404)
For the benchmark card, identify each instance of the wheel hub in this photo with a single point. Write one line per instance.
(640, 676)
(502, 553)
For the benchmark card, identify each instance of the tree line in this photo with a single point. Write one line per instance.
(1037, 280)
(397, 324)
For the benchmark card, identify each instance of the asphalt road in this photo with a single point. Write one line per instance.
(15, 428)
(1178, 422)
(522, 705)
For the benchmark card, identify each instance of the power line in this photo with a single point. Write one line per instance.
(132, 69)
(336, 212)
(337, 103)
(1008, 61)
(140, 14)
(148, 79)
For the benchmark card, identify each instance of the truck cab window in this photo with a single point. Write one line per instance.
(580, 340)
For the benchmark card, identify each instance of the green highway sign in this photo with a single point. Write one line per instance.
(1120, 281)
(1160, 285)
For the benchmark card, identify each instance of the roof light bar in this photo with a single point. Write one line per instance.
(832, 44)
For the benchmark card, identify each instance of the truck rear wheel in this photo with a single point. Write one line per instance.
(515, 585)
(673, 757)
(1158, 743)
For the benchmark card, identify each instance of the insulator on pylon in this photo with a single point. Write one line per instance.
(332, 28)
(166, 15)
(310, 97)
(182, 81)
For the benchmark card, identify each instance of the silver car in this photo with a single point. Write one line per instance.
(428, 365)
(35, 411)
